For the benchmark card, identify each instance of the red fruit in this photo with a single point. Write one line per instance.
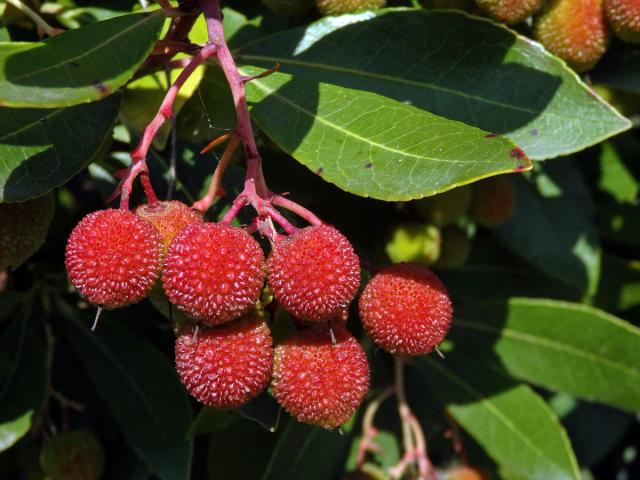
(574, 30)
(465, 473)
(624, 18)
(406, 309)
(510, 11)
(317, 381)
(169, 218)
(314, 273)
(213, 272)
(113, 258)
(494, 201)
(227, 365)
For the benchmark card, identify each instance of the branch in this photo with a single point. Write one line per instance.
(138, 156)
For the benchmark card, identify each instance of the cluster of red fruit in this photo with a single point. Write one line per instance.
(215, 274)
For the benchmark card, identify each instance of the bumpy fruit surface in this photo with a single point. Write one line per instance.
(336, 7)
(213, 272)
(317, 381)
(494, 201)
(113, 258)
(314, 273)
(464, 473)
(406, 309)
(23, 229)
(455, 248)
(414, 242)
(289, 7)
(574, 30)
(510, 11)
(624, 18)
(75, 455)
(445, 208)
(227, 365)
(465, 5)
(169, 218)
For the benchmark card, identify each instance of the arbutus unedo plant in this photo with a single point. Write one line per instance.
(355, 263)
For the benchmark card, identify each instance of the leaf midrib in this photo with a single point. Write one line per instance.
(546, 342)
(346, 132)
(496, 412)
(107, 353)
(404, 81)
(86, 52)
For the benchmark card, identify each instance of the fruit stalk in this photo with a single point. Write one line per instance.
(165, 112)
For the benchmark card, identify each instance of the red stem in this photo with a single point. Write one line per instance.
(215, 187)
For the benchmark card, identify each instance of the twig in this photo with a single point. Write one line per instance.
(369, 431)
(138, 156)
(43, 27)
(215, 187)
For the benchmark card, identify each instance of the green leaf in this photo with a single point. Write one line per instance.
(14, 430)
(553, 227)
(211, 420)
(452, 65)
(615, 177)
(561, 346)
(371, 145)
(263, 410)
(42, 149)
(509, 420)
(240, 452)
(78, 66)
(308, 452)
(619, 287)
(142, 390)
(22, 364)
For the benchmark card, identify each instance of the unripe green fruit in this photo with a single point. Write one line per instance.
(23, 229)
(337, 7)
(455, 248)
(289, 8)
(414, 242)
(445, 208)
(494, 201)
(75, 455)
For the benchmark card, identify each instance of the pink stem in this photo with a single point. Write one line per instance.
(280, 220)
(215, 30)
(299, 210)
(138, 156)
(215, 187)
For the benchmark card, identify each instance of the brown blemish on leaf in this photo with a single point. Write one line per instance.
(534, 132)
(74, 64)
(517, 153)
(101, 87)
(368, 165)
(319, 171)
(490, 135)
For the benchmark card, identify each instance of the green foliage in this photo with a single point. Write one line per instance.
(366, 112)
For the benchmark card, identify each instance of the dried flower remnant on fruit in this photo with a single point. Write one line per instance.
(213, 272)
(314, 273)
(113, 258)
(406, 309)
(169, 218)
(227, 365)
(318, 381)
